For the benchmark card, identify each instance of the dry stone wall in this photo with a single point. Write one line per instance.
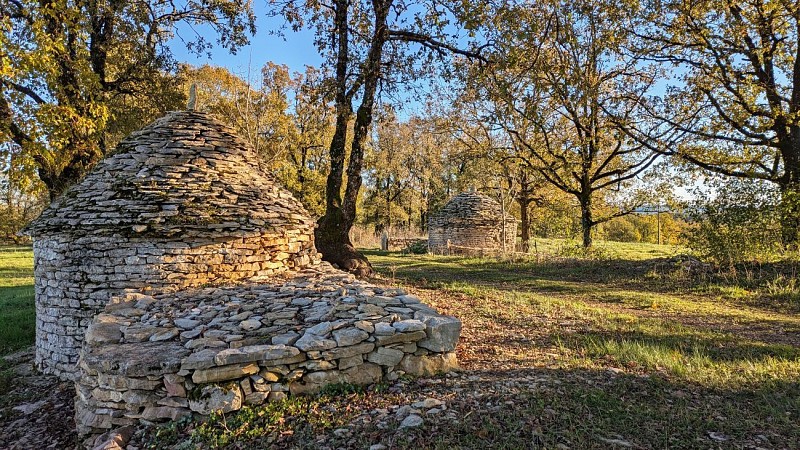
(77, 277)
(166, 356)
(471, 221)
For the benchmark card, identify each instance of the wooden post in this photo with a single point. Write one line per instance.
(658, 220)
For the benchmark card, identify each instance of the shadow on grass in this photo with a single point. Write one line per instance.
(17, 318)
(537, 408)
(545, 408)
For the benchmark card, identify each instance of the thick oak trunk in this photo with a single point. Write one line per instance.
(332, 234)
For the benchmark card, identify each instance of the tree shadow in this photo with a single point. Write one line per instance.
(584, 408)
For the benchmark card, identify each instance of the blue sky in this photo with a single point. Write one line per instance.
(296, 50)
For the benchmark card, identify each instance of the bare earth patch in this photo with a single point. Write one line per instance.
(36, 411)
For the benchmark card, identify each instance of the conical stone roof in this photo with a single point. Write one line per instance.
(185, 173)
(470, 207)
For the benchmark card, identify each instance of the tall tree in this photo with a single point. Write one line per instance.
(566, 88)
(70, 71)
(366, 43)
(736, 90)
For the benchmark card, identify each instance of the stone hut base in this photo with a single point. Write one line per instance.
(198, 351)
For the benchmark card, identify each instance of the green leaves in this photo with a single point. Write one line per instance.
(76, 76)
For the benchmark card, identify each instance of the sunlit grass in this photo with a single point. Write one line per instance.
(622, 323)
(17, 311)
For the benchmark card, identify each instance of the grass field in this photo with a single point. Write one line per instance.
(645, 354)
(17, 312)
(622, 349)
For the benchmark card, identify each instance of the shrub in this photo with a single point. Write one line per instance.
(740, 224)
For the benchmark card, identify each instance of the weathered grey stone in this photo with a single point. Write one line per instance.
(425, 366)
(346, 352)
(256, 398)
(223, 373)
(351, 361)
(250, 324)
(318, 364)
(202, 359)
(386, 356)
(174, 385)
(164, 334)
(384, 329)
(187, 324)
(136, 360)
(349, 336)
(116, 439)
(153, 413)
(311, 342)
(408, 325)
(408, 299)
(413, 336)
(321, 329)
(286, 338)
(138, 333)
(442, 334)
(253, 353)
(365, 325)
(412, 421)
(191, 334)
(103, 333)
(222, 399)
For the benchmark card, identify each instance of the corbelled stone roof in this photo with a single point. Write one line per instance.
(470, 207)
(185, 173)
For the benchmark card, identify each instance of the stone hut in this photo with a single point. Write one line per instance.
(179, 203)
(471, 221)
(183, 281)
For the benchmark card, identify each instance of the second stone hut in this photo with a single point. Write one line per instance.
(471, 222)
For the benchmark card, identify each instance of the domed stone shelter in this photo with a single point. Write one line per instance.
(179, 203)
(471, 221)
(183, 281)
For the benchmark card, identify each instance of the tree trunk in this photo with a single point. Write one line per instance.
(790, 190)
(332, 234)
(586, 220)
(790, 215)
(525, 222)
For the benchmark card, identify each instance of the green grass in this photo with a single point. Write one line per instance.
(17, 311)
(729, 346)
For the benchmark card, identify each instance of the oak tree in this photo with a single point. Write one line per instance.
(736, 89)
(73, 74)
(369, 46)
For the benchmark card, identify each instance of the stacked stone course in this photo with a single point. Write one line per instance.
(215, 349)
(471, 221)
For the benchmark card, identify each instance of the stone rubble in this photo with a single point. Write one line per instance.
(188, 352)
